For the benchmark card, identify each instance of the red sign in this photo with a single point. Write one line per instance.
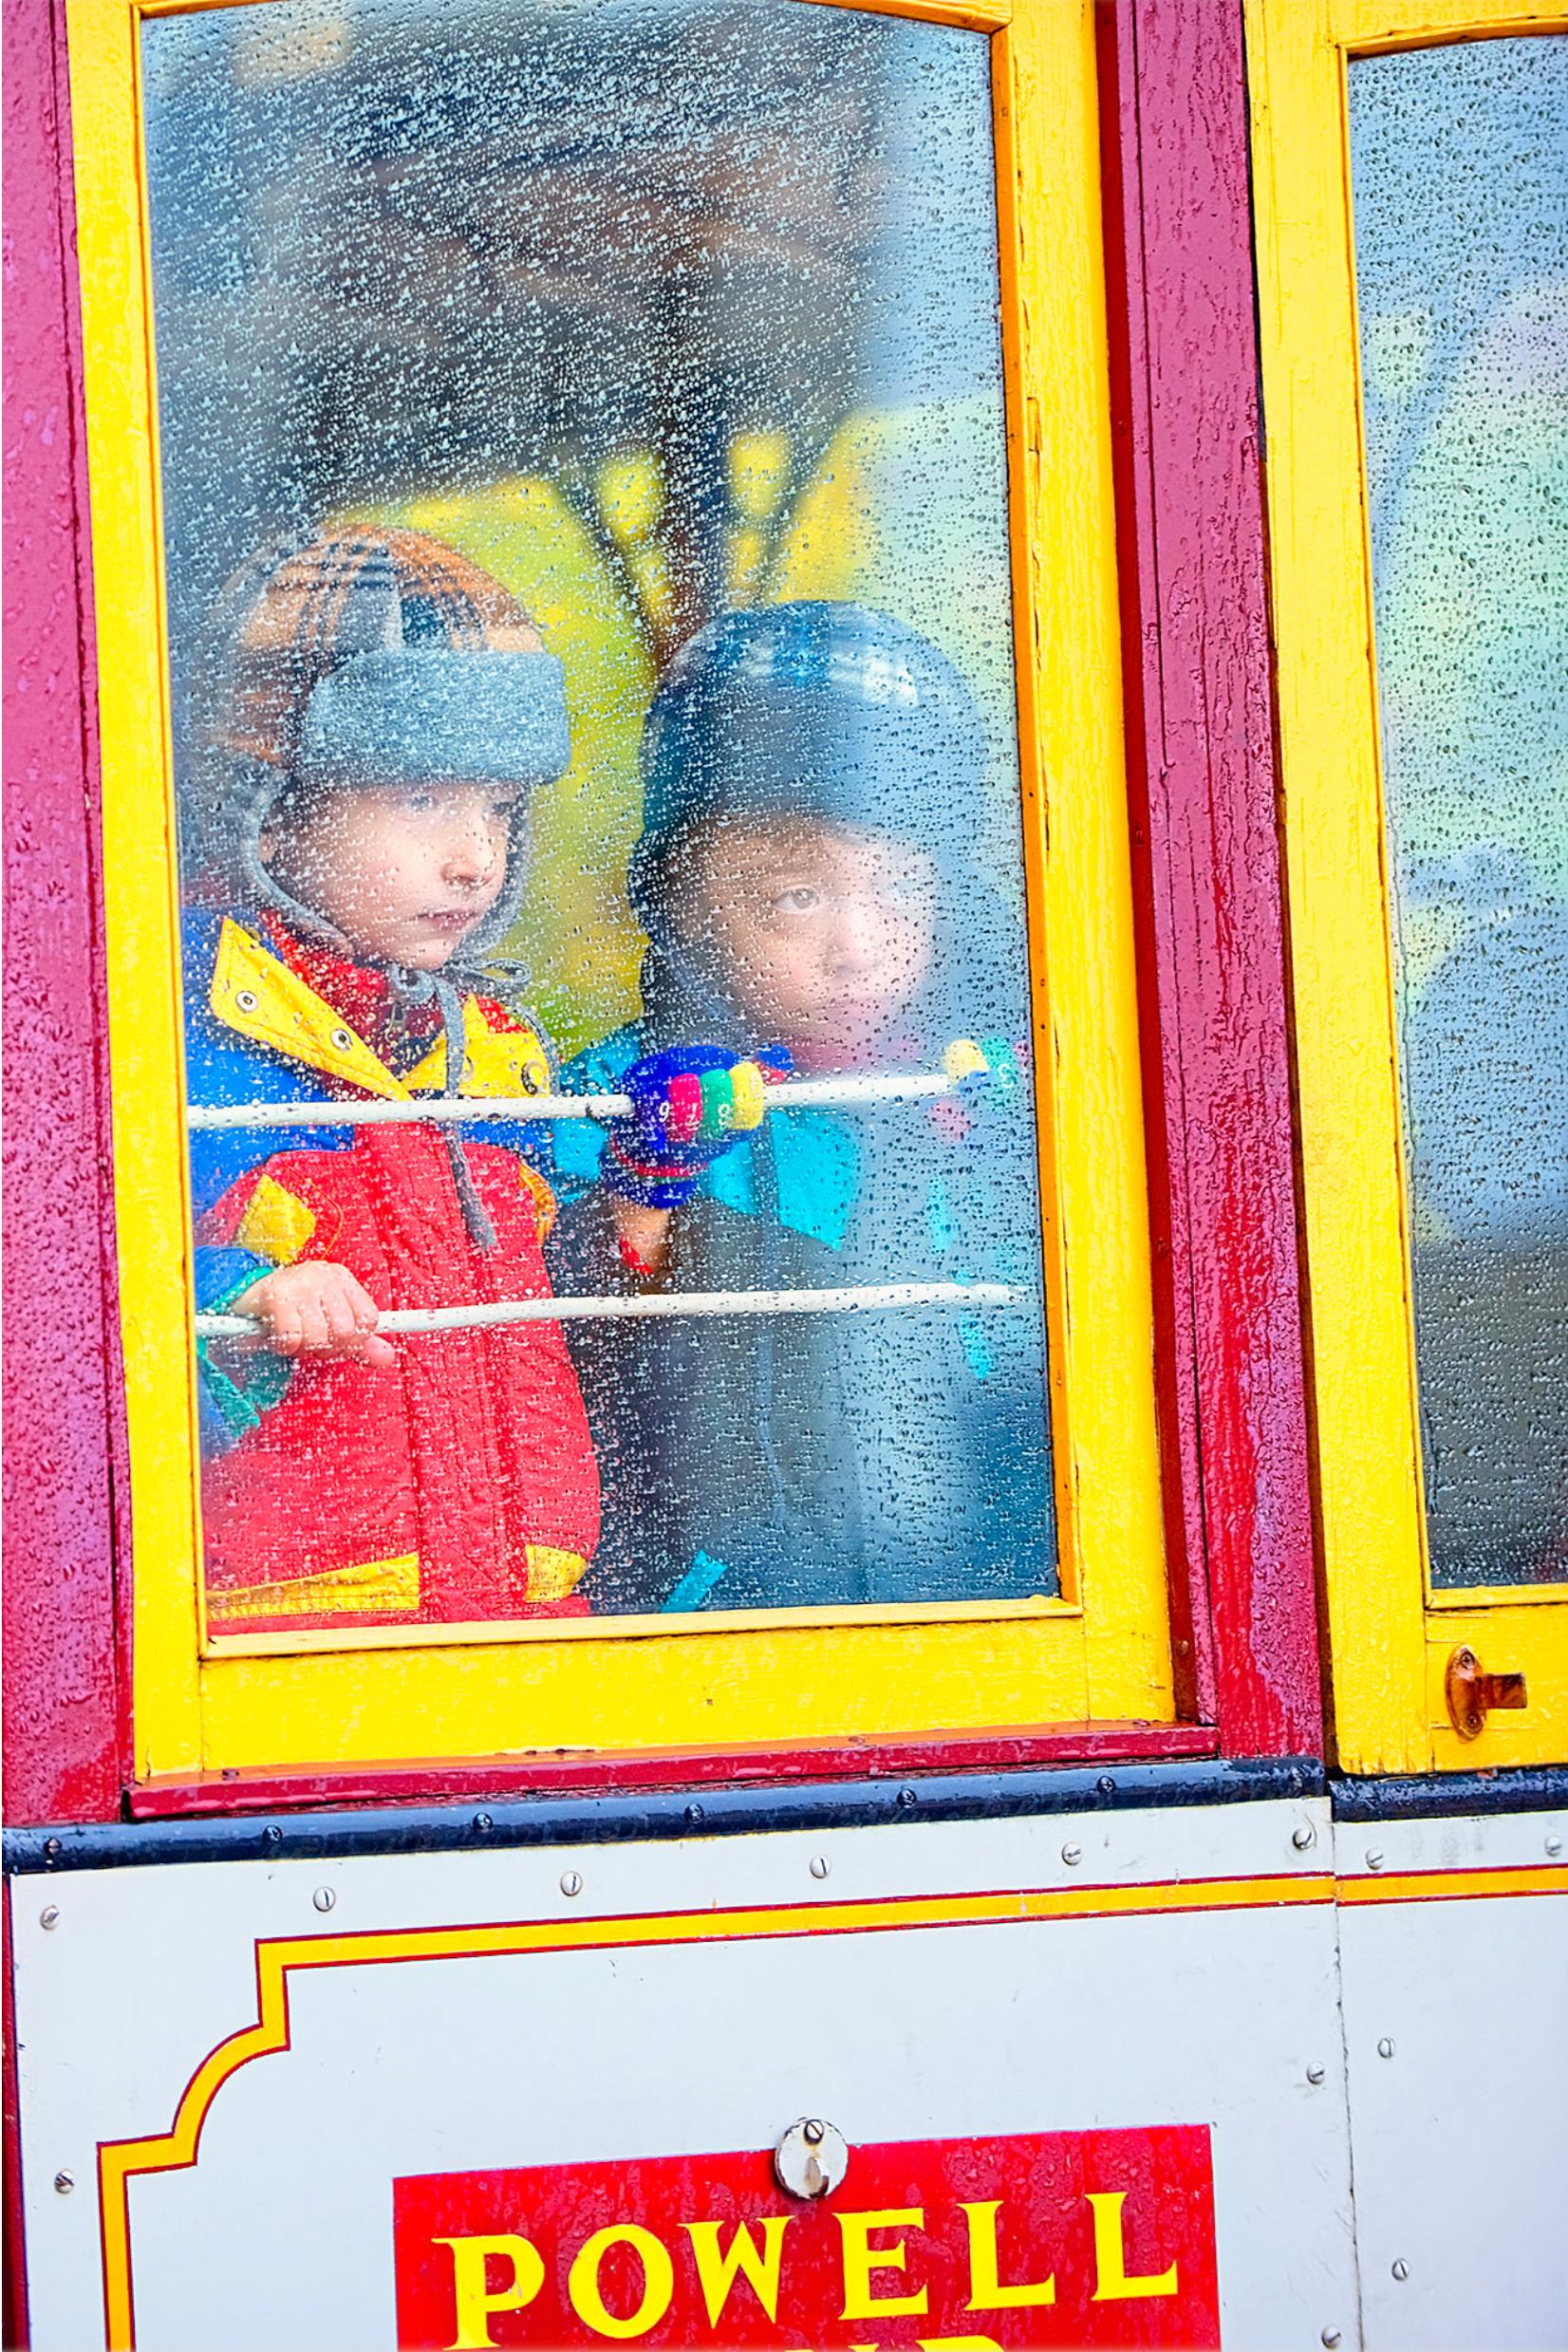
(1079, 2239)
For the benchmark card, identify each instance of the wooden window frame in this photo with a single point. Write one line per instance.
(1390, 1633)
(1203, 900)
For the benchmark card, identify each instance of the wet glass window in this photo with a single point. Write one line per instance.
(606, 987)
(1460, 175)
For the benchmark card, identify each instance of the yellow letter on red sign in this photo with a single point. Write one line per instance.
(657, 2281)
(861, 2259)
(717, 2271)
(1112, 2284)
(985, 2293)
(470, 2291)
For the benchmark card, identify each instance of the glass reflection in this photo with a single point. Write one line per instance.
(1460, 162)
(585, 511)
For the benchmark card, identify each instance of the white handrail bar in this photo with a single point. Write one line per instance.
(863, 1298)
(846, 1094)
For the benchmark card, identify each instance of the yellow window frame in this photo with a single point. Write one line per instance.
(1102, 1650)
(1391, 1634)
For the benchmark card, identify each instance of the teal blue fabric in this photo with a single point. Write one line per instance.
(816, 1156)
(925, 1431)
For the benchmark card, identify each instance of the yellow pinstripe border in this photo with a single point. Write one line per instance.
(120, 2161)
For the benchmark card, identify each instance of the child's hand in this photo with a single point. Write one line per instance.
(690, 1105)
(315, 1308)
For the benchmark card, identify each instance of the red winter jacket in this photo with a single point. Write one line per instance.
(459, 1485)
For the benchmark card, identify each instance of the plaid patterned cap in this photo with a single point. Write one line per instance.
(288, 619)
(363, 656)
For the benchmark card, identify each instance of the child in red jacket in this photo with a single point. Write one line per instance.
(384, 711)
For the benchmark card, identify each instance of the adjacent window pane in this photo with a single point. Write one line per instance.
(1460, 171)
(502, 351)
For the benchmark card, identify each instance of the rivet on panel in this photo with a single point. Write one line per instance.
(1331, 2335)
(1374, 1858)
(820, 1866)
(694, 1815)
(1401, 2271)
(1304, 1837)
(323, 1898)
(483, 1822)
(1072, 1855)
(49, 1915)
(1385, 2048)
(65, 2182)
(1315, 2074)
(908, 1797)
(571, 1882)
(1554, 1847)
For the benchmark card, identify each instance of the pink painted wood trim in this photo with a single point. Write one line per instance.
(1200, 736)
(767, 1763)
(63, 1729)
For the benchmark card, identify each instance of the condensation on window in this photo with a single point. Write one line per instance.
(1459, 177)
(583, 472)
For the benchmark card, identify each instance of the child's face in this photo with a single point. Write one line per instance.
(403, 871)
(822, 934)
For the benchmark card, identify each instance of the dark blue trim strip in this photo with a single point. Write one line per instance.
(603, 1820)
(1533, 1788)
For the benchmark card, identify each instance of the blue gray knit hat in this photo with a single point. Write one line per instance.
(812, 710)
(371, 657)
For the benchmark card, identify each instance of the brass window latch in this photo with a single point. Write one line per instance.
(1473, 1693)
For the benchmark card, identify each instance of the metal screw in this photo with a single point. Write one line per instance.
(1385, 2048)
(820, 1866)
(1374, 1858)
(1314, 2075)
(908, 1797)
(812, 2132)
(65, 2182)
(1554, 1847)
(49, 1915)
(571, 1883)
(323, 1898)
(1402, 2271)
(272, 1834)
(694, 1815)
(1106, 1786)
(52, 1849)
(1072, 1855)
(1304, 1836)
(1331, 2335)
(482, 1822)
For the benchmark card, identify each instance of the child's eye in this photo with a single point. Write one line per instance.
(798, 902)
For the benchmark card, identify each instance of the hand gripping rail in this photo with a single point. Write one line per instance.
(856, 1299)
(786, 1094)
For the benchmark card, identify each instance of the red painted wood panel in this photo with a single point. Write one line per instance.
(1200, 737)
(767, 1761)
(61, 1732)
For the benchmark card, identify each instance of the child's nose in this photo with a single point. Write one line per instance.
(471, 853)
(860, 934)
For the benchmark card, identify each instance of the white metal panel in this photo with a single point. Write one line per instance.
(281, 2232)
(1458, 2074)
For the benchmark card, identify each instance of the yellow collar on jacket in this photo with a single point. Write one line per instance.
(254, 993)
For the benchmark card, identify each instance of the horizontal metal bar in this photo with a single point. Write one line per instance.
(849, 1093)
(863, 1298)
(879, 1797)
